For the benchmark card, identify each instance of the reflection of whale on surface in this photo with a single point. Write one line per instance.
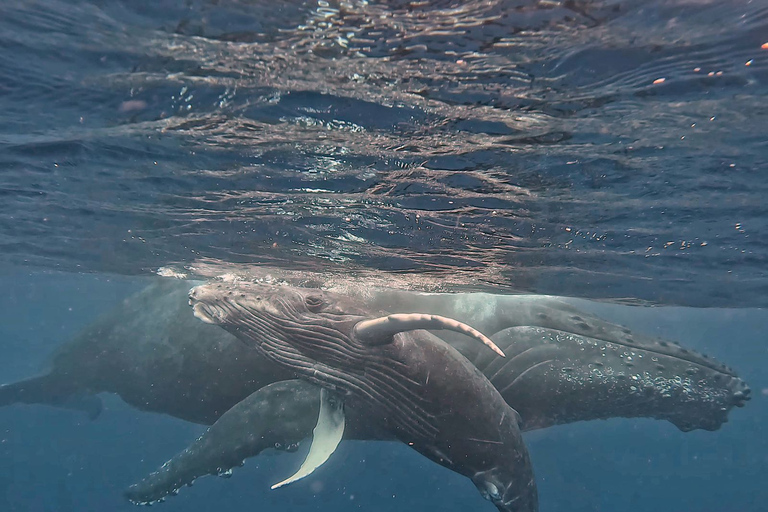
(154, 354)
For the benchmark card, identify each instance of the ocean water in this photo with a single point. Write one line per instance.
(613, 151)
(57, 460)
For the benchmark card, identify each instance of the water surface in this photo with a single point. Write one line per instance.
(595, 149)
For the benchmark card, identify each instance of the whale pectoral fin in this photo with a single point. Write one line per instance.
(380, 331)
(325, 437)
(553, 377)
(278, 415)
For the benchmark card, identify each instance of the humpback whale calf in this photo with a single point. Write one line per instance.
(419, 388)
(157, 357)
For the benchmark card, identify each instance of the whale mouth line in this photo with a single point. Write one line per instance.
(202, 312)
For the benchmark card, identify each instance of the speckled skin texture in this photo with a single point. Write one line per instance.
(580, 366)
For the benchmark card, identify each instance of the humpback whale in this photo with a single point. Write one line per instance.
(157, 357)
(418, 387)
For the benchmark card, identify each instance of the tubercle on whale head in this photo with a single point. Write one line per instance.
(272, 298)
(204, 309)
(218, 302)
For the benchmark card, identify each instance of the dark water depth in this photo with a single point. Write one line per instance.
(595, 149)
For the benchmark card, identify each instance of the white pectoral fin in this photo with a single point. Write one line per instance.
(325, 438)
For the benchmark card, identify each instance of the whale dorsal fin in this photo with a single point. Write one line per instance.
(325, 437)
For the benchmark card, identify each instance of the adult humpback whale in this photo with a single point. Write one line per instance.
(154, 354)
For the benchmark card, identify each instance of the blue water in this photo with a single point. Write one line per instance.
(607, 150)
(56, 460)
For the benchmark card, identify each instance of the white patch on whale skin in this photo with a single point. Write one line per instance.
(325, 438)
(198, 311)
(171, 272)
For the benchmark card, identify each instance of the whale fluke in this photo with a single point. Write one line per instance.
(49, 390)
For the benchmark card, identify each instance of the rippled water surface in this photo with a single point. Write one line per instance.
(596, 149)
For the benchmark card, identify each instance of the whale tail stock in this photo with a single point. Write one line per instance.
(49, 389)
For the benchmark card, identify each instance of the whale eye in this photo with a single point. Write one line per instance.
(491, 492)
(314, 303)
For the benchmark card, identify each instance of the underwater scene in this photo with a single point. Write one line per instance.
(383, 255)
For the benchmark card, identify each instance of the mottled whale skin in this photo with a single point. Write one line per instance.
(587, 368)
(410, 382)
(157, 357)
